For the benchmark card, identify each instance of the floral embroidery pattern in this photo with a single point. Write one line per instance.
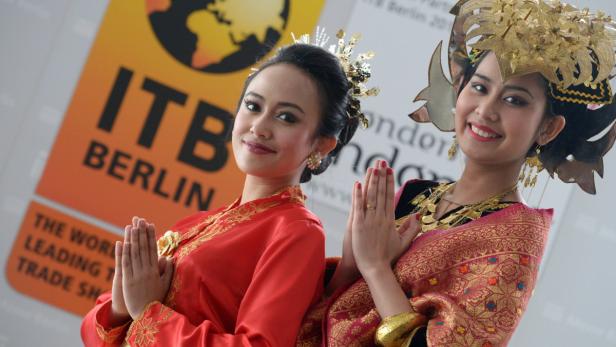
(145, 327)
(144, 331)
(473, 281)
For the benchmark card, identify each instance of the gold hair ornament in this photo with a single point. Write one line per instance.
(357, 71)
(557, 40)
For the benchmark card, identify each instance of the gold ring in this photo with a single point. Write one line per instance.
(370, 207)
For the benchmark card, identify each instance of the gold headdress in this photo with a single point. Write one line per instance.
(555, 39)
(572, 49)
(357, 71)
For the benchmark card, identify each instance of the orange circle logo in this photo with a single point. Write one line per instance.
(218, 36)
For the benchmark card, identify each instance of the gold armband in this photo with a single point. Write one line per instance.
(398, 330)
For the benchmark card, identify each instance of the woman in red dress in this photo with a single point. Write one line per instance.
(244, 274)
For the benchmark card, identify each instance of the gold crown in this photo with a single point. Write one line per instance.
(566, 45)
(572, 49)
(357, 71)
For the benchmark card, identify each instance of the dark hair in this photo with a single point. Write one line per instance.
(324, 69)
(572, 143)
(581, 125)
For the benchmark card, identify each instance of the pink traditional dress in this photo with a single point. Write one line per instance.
(472, 282)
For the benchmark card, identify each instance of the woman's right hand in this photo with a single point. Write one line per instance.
(348, 259)
(376, 241)
(347, 263)
(347, 271)
(119, 312)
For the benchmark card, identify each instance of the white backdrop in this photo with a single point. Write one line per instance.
(45, 44)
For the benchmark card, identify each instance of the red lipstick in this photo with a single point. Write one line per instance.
(257, 148)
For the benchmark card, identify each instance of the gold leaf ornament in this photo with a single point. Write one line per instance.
(546, 36)
(358, 71)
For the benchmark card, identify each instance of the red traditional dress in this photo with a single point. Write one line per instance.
(472, 281)
(244, 276)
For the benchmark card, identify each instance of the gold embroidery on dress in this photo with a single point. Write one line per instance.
(310, 331)
(523, 232)
(230, 217)
(144, 331)
(110, 336)
(487, 270)
(488, 302)
(219, 226)
(222, 222)
(145, 328)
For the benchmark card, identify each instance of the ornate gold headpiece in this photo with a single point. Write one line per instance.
(357, 71)
(566, 45)
(574, 50)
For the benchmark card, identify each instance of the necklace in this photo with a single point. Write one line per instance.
(426, 207)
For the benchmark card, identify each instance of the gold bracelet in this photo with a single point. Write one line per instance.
(398, 330)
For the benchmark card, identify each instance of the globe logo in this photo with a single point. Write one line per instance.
(218, 36)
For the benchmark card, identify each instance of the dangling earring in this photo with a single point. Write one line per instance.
(530, 170)
(453, 149)
(314, 161)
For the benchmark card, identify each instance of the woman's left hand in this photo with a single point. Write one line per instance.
(142, 282)
(375, 240)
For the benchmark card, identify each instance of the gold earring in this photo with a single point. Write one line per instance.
(314, 161)
(530, 170)
(453, 149)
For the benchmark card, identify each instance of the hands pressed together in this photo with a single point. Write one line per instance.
(141, 276)
(372, 243)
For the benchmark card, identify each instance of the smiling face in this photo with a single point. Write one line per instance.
(497, 122)
(275, 127)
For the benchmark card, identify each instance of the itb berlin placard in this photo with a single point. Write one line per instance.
(146, 133)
